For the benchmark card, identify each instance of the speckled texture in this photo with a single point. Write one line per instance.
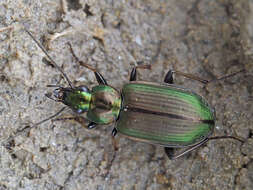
(202, 37)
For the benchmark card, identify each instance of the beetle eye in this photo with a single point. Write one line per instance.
(83, 88)
(79, 111)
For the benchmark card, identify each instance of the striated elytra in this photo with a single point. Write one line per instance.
(166, 115)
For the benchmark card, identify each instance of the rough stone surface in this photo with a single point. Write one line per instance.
(206, 38)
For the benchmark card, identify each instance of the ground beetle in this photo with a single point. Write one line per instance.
(162, 114)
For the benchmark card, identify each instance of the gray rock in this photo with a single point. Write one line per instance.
(206, 38)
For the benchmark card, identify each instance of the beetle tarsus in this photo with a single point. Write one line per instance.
(227, 137)
(115, 144)
(190, 149)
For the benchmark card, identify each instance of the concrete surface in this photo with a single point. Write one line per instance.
(202, 37)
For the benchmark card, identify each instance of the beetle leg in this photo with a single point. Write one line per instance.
(114, 142)
(134, 73)
(227, 137)
(78, 119)
(169, 77)
(172, 157)
(91, 125)
(99, 77)
(189, 76)
(114, 132)
(169, 152)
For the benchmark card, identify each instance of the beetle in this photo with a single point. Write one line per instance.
(162, 114)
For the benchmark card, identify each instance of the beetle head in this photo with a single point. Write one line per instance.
(77, 98)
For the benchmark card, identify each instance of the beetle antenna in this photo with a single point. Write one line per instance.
(28, 128)
(49, 57)
(191, 148)
(49, 118)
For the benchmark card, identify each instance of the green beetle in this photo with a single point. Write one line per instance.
(162, 114)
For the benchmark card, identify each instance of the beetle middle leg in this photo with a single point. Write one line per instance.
(169, 77)
(78, 119)
(133, 74)
(114, 132)
(114, 142)
(99, 77)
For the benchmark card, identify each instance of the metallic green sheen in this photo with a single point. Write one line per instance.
(105, 105)
(78, 100)
(164, 114)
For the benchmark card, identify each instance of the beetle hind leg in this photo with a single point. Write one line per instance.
(114, 132)
(187, 150)
(169, 152)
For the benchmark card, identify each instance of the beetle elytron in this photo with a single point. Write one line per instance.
(162, 114)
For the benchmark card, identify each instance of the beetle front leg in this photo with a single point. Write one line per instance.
(133, 74)
(99, 77)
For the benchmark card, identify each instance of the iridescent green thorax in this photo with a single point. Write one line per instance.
(105, 105)
(77, 100)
